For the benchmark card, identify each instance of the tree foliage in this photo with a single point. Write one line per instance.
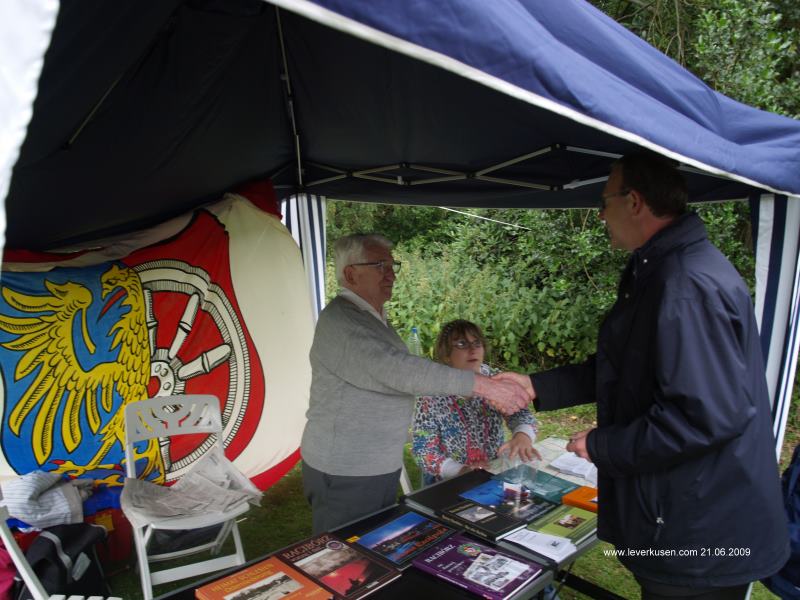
(538, 286)
(746, 49)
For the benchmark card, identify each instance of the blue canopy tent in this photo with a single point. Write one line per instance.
(143, 111)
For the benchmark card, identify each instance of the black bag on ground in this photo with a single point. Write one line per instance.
(65, 561)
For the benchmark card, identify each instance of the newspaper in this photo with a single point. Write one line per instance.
(212, 485)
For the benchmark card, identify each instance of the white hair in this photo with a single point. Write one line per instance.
(352, 249)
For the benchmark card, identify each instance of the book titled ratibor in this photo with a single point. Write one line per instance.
(269, 579)
(400, 539)
(476, 567)
(336, 565)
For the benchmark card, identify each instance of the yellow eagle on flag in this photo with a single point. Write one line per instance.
(46, 339)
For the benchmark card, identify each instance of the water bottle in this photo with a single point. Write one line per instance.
(414, 345)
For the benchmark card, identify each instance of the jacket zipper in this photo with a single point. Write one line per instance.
(659, 526)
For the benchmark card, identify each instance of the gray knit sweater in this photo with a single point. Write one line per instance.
(363, 383)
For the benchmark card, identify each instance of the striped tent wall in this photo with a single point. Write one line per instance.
(304, 217)
(776, 230)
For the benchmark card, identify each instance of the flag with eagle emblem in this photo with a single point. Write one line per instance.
(212, 302)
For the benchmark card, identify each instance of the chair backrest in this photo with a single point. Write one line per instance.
(167, 416)
(23, 566)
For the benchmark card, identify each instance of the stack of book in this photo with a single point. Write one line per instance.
(490, 506)
(557, 534)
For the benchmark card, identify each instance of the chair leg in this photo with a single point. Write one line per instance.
(223, 534)
(237, 540)
(144, 564)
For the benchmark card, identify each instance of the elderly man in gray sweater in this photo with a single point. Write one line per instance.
(363, 383)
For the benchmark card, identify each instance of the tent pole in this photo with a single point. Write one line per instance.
(289, 98)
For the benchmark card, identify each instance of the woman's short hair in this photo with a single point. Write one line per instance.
(352, 249)
(452, 331)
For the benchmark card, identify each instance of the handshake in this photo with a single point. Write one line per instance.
(507, 392)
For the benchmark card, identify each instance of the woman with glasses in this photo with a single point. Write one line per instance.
(454, 434)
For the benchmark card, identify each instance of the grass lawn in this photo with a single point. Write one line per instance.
(284, 517)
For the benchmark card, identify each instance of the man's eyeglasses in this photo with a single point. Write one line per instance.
(381, 265)
(464, 344)
(601, 204)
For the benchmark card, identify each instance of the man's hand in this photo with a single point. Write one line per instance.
(520, 445)
(503, 395)
(577, 444)
(523, 380)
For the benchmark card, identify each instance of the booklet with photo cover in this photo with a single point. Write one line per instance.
(269, 579)
(338, 566)
(571, 522)
(512, 499)
(486, 571)
(402, 538)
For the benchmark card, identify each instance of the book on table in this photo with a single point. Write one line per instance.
(402, 537)
(338, 566)
(479, 568)
(584, 497)
(571, 522)
(480, 520)
(269, 579)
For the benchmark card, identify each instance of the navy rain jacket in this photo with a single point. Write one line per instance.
(684, 444)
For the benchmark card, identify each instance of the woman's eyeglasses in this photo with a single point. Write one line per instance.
(464, 344)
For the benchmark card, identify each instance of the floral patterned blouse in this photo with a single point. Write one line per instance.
(452, 431)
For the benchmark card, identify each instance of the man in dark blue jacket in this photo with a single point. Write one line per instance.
(688, 482)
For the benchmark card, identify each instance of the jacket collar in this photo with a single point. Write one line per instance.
(684, 230)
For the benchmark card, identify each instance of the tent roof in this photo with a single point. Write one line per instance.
(145, 110)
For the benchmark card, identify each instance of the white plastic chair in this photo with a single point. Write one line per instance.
(165, 417)
(24, 569)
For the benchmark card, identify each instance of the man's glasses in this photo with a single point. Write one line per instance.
(464, 344)
(381, 265)
(601, 204)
